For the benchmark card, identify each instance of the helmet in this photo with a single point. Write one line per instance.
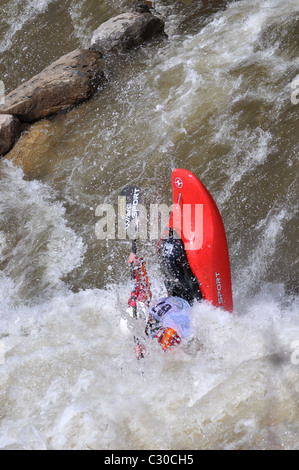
(167, 337)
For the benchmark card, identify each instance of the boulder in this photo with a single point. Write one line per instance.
(70, 80)
(10, 130)
(32, 149)
(143, 6)
(125, 31)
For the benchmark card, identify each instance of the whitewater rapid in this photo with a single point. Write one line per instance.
(215, 99)
(70, 379)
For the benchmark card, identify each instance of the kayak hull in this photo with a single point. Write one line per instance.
(195, 218)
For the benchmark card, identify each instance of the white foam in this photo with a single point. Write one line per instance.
(75, 382)
(39, 233)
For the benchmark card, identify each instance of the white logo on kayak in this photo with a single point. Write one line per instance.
(219, 287)
(178, 182)
(168, 249)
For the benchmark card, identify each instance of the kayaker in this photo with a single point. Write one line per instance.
(169, 319)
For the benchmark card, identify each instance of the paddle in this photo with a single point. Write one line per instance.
(129, 211)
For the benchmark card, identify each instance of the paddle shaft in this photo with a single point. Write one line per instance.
(131, 197)
(140, 353)
(133, 278)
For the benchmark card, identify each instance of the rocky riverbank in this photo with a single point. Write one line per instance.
(76, 76)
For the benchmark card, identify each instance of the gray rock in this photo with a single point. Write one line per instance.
(10, 130)
(125, 31)
(141, 6)
(70, 80)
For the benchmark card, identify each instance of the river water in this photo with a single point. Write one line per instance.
(216, 98)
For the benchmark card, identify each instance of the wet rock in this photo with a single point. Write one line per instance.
(10, 130)
(70, 80)
(128, 30)
(142, 6)
(30, 150)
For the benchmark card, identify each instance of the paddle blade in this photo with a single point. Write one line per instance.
(129, 208)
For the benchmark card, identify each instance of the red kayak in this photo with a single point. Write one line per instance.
(197, 221)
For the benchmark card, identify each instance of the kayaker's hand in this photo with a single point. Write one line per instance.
(133, 258)
(140, 351)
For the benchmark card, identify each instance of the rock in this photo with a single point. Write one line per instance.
(29, 151)
(142, 6)
(70, 80)
(126, 31)
(10, 130)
